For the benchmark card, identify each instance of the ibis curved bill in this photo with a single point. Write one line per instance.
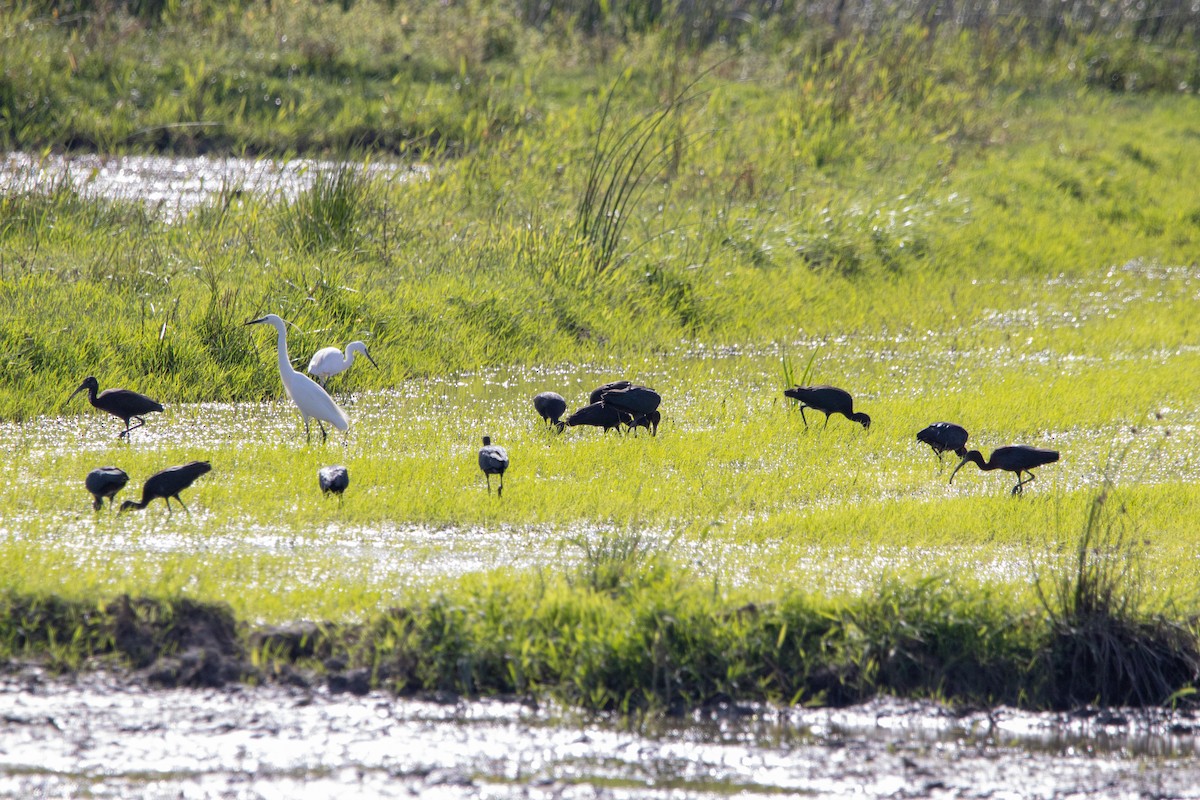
(829, 400)
(121, 403)
(1015, 458)
(169, 483)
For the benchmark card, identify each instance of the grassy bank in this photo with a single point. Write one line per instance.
(627, 630)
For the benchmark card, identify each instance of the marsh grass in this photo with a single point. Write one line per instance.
(952, 227)
(1105, 646)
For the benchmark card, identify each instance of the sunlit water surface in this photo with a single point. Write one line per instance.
(103, 737)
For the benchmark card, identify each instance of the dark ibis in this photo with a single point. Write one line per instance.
(829, 400)
(121, 403)
(333, 479)
(105, 482)
(943, 436)
(1016, 458)
(493, 460)
(600, 415)
(639, 402)
(598, 393)
(550, 406)
(649, 421)
(169, 483)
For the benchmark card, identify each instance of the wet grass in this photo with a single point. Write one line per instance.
(946, 226)
(616, 568)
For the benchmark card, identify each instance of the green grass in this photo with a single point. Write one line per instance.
(950, 225)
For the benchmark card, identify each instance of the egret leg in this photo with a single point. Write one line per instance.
(307, 432)
(324, 435)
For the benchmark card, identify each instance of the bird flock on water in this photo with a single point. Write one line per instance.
(609, 407)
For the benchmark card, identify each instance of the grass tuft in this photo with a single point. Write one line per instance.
(1104, 648)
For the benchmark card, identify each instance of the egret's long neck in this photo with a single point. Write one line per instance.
(285, 364)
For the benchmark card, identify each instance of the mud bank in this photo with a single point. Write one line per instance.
(107, 735)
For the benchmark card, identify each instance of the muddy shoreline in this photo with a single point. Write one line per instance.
(111, 734)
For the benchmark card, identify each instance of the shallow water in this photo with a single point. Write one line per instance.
(388, 554)
(174, 186)
(106, 737)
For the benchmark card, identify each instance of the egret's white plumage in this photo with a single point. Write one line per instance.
(329, 361)
(313, 401)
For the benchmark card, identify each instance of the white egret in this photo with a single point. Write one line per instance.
(493, 460)
(329, 361)
(309, 397)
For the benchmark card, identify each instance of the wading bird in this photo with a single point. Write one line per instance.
(333, 479)
(105, 482)
(1016, 458)
(600, 415)
(121, 403)
(329, 361)
(169, 483)
(649, 421)
(639, 402)
(493, 460)
(943, 436)
(598, 393)
(827, 399)
(307, 394)
(550, 406)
